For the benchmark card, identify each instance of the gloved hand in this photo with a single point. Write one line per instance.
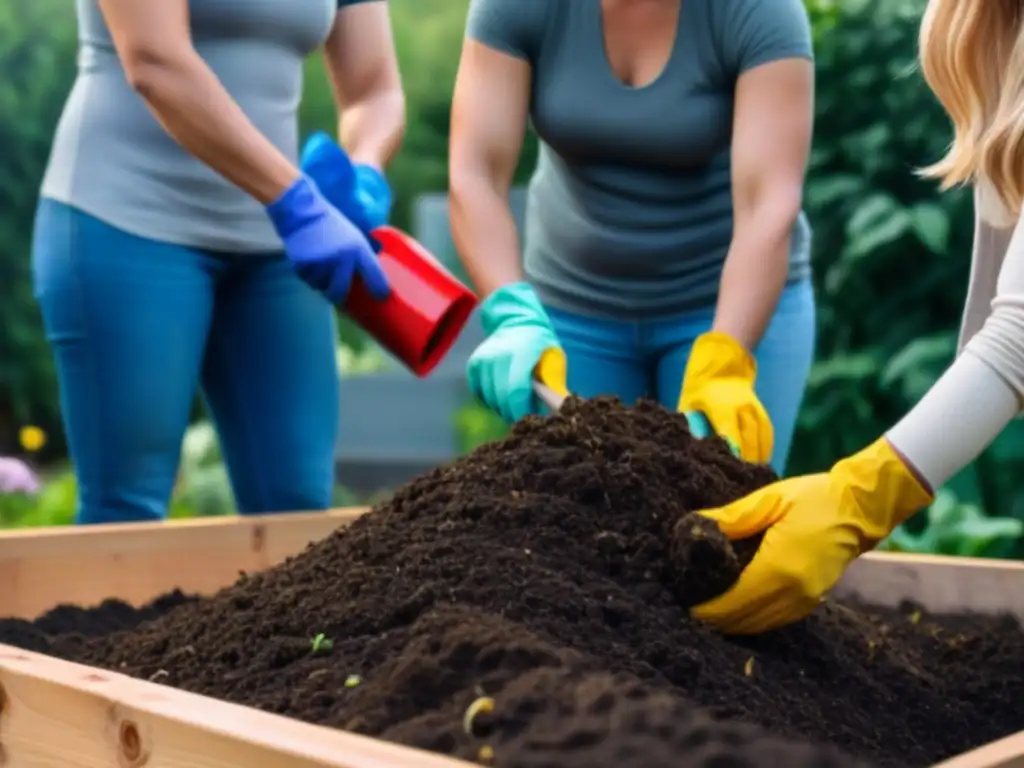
(519, 335)
(719, 384)
(359, 191)
(324, 247)
(814, 526)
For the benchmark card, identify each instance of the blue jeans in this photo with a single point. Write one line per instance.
(138, 326)
(648, 359)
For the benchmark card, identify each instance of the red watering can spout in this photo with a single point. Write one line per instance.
(426, 311)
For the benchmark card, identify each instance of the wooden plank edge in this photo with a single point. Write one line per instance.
(55, 713)
(940, 584)
(22, 542)
(1007, 752)
(137, 562)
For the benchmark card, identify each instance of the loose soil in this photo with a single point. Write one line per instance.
(552, 571)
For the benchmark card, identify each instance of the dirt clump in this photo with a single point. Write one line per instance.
(550, 574)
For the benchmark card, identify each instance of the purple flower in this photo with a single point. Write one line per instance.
(17, 477)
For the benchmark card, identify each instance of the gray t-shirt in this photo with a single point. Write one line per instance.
(629, 211)
(113, 160)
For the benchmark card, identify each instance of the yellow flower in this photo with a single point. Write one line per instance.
(31, 438)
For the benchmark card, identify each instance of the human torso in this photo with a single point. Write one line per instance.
(629, 212)
(112, 159)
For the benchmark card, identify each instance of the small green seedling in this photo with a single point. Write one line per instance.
(321, 643)
(352, 681)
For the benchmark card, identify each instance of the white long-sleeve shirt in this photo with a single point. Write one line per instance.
(983, 390)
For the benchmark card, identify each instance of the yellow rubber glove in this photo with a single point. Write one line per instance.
(814, 526)
(719, 383)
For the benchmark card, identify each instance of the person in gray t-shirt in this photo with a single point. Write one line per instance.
(666, 253)
(177, 244)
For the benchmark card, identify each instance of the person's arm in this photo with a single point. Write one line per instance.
(992, 234)
(773, 118)
(974, 400)
(363, 69)
(489, 114)
(154, 43)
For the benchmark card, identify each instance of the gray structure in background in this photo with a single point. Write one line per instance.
(393, 425)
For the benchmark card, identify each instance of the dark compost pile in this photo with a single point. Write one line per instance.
(552, 572)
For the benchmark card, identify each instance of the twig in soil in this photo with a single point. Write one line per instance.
(482, 706)
(321, 643)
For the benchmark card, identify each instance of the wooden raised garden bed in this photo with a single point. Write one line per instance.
(55, 713)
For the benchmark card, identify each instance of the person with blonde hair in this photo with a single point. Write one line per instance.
(972, 56)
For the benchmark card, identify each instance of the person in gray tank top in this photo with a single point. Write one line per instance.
(178, 245)
(666, 253)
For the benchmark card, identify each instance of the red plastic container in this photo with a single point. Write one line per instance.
(426, 311)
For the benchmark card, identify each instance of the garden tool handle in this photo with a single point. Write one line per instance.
(547, 395)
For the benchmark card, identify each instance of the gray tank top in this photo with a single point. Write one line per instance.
(113, 160)
(629, 212)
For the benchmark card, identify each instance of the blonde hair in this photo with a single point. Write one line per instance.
(972, 56)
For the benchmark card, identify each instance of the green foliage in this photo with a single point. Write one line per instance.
(362, 361)
(53, 505)
(954, 528)
(37, 61)
(476, 425)
(203, 488)
(890, 253)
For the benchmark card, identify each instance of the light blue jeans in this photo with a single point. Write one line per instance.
(648, 359)
(138, 327)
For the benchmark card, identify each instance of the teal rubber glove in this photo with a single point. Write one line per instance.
(500, 371)
(700, 428)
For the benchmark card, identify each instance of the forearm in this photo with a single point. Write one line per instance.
(484, 231)
(981, 392)
(959, 417)
(195, 108)
(371, 130)
(754, 274)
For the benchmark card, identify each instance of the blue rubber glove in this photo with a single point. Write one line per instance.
(359, 191)
(501, 370)
(325, 248)
(373, 193)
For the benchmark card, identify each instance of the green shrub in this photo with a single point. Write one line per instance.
(476, 425)
(890, 253)
(951, 527)
(38, 64)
